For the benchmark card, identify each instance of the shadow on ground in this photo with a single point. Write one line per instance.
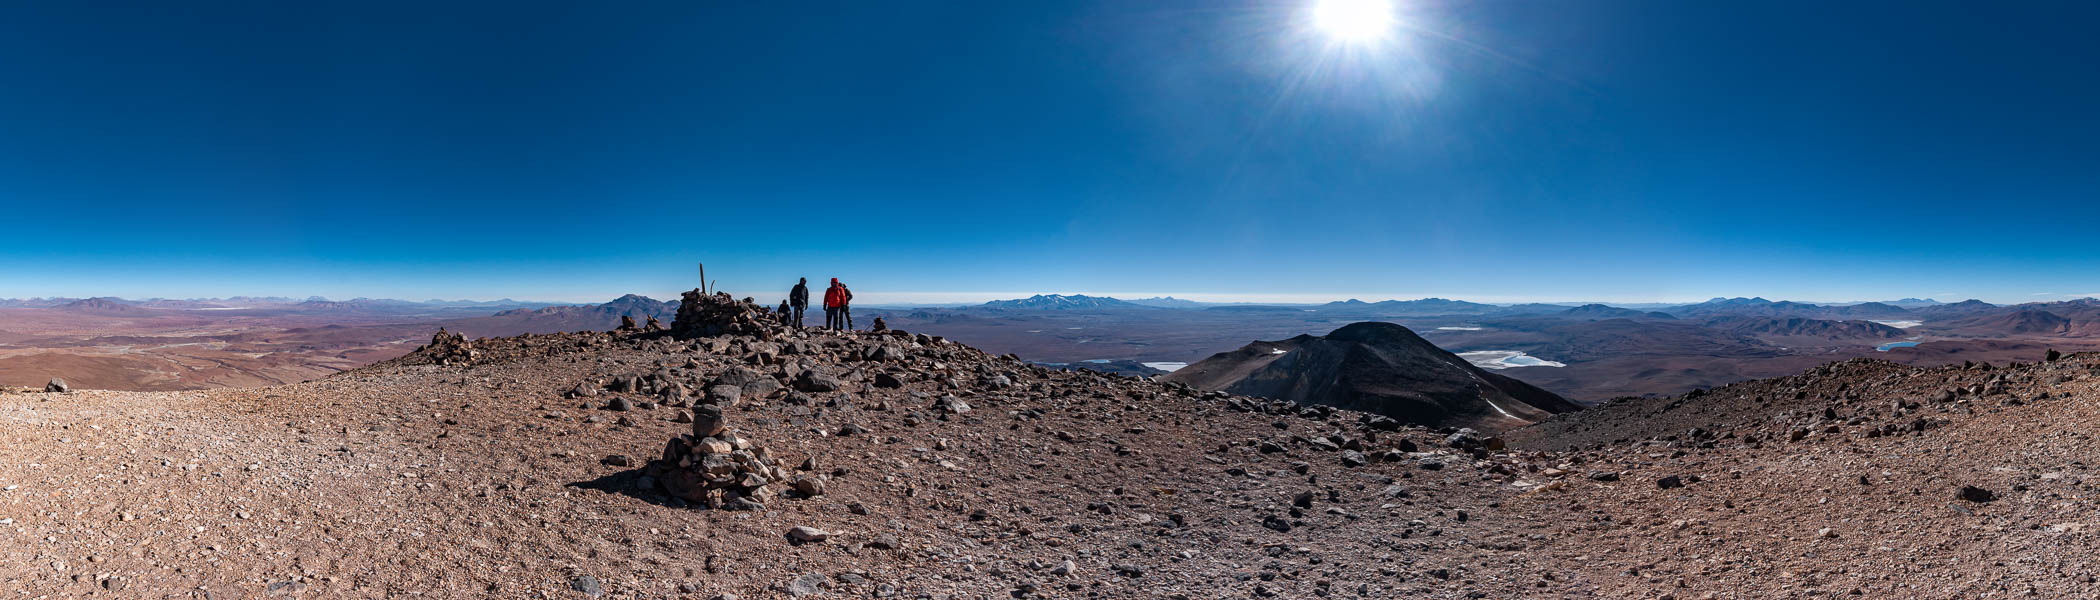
(626, 483)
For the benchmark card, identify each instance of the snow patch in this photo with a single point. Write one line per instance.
(1506, 359)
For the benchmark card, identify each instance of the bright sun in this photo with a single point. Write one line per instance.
(1353, 21)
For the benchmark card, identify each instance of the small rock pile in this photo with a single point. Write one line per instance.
(447, 348)
(717, 468)
(704, 315)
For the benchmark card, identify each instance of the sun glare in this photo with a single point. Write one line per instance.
(1353, 21)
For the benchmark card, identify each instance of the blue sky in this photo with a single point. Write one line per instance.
(1490, 150)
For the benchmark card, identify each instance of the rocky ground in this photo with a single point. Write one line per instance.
(898, 465)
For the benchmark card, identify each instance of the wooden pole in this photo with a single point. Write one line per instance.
(703, 278)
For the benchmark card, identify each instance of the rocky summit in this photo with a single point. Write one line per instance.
(729, 456)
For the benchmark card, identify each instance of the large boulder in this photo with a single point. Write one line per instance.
(724, 395)
(752, 383)
(816, 381)
(57, 385)
(951, 405)
(708, 421)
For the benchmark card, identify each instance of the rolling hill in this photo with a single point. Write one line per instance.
(1804, 327)
(1379, 368)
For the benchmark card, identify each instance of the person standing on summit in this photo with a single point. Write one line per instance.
(798, 299)
(834, 305)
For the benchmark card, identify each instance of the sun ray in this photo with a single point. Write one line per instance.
(1354, 21)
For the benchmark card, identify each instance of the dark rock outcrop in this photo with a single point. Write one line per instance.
(709, 315)
(447, 348)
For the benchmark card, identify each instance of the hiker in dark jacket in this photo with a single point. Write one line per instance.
(799, 299)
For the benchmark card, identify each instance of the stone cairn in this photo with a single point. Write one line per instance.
(717, 468)
(447, 348)
(714, 466)
(627, 323)
(708, 315)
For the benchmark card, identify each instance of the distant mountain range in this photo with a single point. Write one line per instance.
(1767, 308)
(1062, 302)
(1760, 317)
(1168, 302)
(1965, 307)
(1600, 311)
(102, 306)
(577, 317)
(1907, 308)
(1422, 306)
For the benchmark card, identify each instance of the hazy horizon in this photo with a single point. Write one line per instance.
(866, 298)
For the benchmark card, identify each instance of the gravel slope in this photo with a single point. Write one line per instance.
(482, 480)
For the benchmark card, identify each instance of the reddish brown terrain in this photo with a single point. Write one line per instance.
(544, 466)
(170, 349)
(105, 343)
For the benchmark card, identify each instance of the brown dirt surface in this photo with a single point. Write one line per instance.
(100, 344)
(483, 480)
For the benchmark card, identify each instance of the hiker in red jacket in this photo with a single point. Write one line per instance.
(834, 305)
(846, 306)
